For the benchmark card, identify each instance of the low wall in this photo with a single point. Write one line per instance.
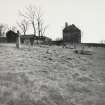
(93, 44)
(3, 39)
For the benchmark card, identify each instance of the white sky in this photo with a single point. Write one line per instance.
(88, 15)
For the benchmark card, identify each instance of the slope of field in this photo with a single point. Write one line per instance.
(51, 75)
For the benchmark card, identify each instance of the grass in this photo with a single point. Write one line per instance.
(51, 75)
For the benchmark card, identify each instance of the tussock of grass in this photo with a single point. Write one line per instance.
(83, 52)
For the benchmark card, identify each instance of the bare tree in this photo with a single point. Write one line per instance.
(43, 29)
(34, 16)
(3, 29)
(13, 28)
(30, 15)
(23, 25)
(39, 20)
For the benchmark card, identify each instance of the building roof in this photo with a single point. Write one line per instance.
(35, 37)
(71, 28)
(26, 36)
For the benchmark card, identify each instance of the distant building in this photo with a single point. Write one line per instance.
(71, 34)
(32, 37)
(11, 37)
(26, 38)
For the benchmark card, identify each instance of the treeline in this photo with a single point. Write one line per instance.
(93, 44)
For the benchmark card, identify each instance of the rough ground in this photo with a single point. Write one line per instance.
(51, 75)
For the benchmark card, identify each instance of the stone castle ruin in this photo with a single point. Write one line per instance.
(71, 34)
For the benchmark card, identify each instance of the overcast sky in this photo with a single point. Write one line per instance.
(88, 15)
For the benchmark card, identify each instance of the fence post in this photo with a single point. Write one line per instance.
(18, 40)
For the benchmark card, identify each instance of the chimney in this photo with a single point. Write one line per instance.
(66, 24)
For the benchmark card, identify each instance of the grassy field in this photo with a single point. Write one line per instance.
(51, 75)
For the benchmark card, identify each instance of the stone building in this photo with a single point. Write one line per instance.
(31, 38)
(71, 34)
